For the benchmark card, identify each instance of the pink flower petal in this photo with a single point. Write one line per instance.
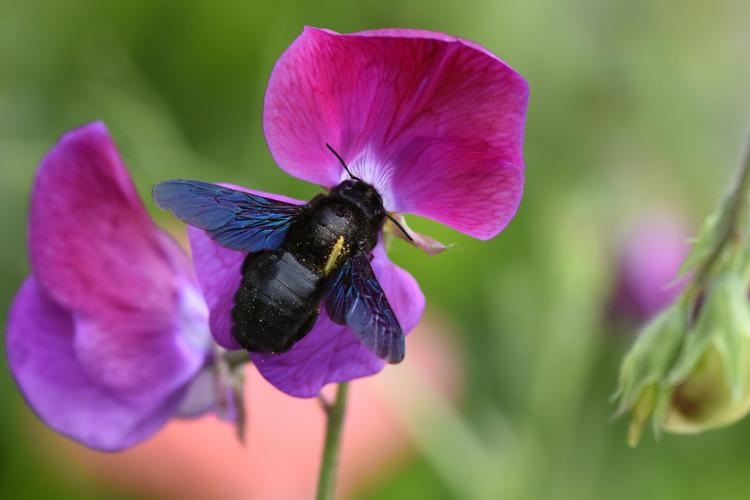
(140, 322)
(41, 355)
(86, 226)
(434, 122)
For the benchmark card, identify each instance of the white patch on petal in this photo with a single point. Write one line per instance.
(368, 167)
(192, 322)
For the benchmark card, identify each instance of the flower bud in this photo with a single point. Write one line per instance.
(710, 382)
(689, 371)
(647, 364)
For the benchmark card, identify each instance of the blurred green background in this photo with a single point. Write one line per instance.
(636, 107)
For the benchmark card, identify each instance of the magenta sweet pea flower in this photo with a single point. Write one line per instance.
(107, 336)
(433, 122)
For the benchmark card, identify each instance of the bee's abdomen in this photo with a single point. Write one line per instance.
(277, 302)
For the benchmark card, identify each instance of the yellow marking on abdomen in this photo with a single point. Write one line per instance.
(334, 256)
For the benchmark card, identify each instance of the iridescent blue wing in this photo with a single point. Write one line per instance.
(355, 298)
(234, 219)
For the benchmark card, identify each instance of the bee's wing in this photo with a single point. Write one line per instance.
(234, 219)
(355, 298)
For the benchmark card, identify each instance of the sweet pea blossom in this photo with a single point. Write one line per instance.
(434, 123)
(108, 337)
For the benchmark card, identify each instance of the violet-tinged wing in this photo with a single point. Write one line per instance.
(355, 298)
(234, 219)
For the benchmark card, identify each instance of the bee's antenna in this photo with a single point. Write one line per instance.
(343, 163)
(393, 219)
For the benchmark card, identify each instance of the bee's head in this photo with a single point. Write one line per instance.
(364, 196)
(360, 193)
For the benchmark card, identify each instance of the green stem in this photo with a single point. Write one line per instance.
(732, 223)
(739, 200)
(235, 359)
(330, 461)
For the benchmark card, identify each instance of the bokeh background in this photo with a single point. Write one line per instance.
(638, 108)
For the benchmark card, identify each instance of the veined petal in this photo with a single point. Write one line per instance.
(218, 270)
(40, 350)
(140, 323)
(331, 352)
(434, 122)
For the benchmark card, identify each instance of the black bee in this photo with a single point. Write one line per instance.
(298, 256)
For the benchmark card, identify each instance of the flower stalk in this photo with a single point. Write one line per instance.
(733, 223)
(332, 446)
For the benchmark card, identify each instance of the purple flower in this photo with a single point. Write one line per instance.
(435, 123)
(648, 266)
(108, 333)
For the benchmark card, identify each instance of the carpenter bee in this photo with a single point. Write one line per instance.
(297, 257)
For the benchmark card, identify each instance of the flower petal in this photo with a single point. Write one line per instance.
(144, 355)
(331, 352)
(42, 358)
(434, 122)
(218, 271)
(88, 226)
(140, 322)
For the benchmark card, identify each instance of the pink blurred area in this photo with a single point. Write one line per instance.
(648, 267)
(202, 459)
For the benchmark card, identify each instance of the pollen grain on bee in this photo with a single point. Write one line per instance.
(334, 256)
